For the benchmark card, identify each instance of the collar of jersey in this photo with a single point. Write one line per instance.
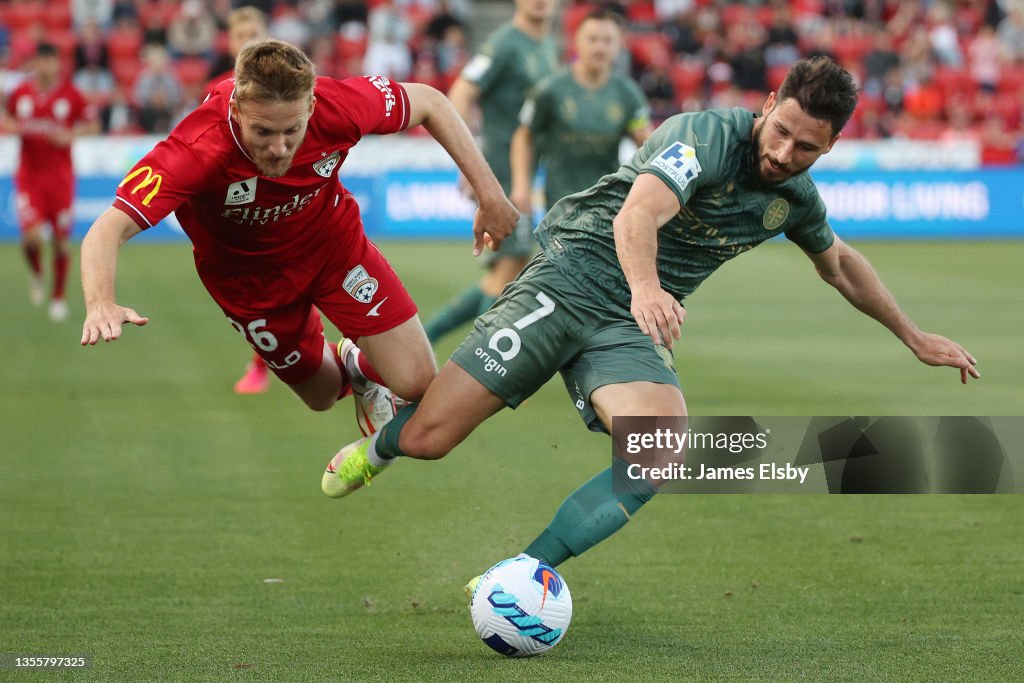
(231, 127)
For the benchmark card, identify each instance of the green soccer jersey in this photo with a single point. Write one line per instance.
(505, 69)
(706, 158)
(577, 130)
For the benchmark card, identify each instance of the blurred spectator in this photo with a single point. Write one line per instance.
(91, 49)
(657, 85)
(452, 50)
(287, 24)
(669, 10)
(943, 36)
(747, 43)
(781, 48)
(682, 34)
(245, 24)
(351, 14)
(388, 52)
(1011, 30)
(192, 31)
(998, 145)
(985, 57)
(154, 29)
(125, 9)
(158, 93)
(100, 12)
(878, 63)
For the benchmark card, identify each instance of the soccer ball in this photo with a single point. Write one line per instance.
(521, 607)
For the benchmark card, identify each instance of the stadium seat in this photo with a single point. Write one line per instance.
(124, 44)
(21, 14)
(688, 79)
(125, 72)
(776, 74)
(953, 81)
(192, 71)
(57, 16)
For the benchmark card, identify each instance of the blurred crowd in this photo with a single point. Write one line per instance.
(931, 69)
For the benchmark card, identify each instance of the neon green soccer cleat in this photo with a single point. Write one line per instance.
(349, 470)
(470, 587)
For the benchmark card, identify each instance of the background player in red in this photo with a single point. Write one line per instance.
(252, 177)
(47, 112)
(245, 25)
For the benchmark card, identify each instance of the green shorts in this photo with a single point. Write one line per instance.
(543, 323)
(517, 245)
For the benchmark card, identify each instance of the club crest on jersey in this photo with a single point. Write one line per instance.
(326, 166)
(776, 214)
(360, 285)
(242, 192)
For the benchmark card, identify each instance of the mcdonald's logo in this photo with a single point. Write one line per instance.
(151, 178)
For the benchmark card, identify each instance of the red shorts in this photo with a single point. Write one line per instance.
(275, 309)
(45, 205)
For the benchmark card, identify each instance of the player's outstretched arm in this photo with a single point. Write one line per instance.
(496, 217)
(847, 270)
(648, 206)
(103, 317)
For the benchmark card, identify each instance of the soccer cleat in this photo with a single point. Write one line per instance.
(256, 380)
(58, 310)
(349, 470)
(36, 290)
(375, 404)
(470, 587)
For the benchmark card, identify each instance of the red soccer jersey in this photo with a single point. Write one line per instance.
(41, 113)
(236, 217)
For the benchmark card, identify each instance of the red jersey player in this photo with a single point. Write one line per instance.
(252, 177)
(48, 113)
(245, 25)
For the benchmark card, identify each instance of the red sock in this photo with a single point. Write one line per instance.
(257, 362)
(364, 366)
(60, 273)
(35, 264)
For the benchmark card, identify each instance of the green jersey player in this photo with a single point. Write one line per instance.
(601, 302)
(577, 117)
(510, 63)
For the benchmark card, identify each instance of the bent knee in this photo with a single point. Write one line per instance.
(412, 386)
(319, 404)
(424, 443)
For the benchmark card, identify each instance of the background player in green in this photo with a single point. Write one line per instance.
(511, 61)
(601, 302)
(576, 118)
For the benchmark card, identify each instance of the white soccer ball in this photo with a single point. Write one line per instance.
(521, 607)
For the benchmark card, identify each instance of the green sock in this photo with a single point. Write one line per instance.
(386, 445)
(591, 514)
(486, 301)
(459, 309)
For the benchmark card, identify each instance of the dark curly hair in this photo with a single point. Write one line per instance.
(823, 89)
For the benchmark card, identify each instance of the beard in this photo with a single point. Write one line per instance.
(766, 173)
(274, 168)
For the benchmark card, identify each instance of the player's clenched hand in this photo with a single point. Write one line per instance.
(493, 222)
(104, 321)
(934, 349)
(658, 314)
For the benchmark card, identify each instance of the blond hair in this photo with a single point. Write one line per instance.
(245, 15)
(273, 71)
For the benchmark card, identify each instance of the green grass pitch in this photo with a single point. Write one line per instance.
(144, 505)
